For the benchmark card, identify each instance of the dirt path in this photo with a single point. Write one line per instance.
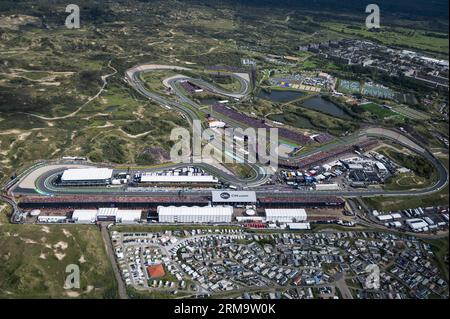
(110, 252)
(105, 83)
(133, 136)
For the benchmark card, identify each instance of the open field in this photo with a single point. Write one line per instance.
(407, 181)
(413, 39)
(410, 113)
(378, 110)
(34, 260)
(399, 203)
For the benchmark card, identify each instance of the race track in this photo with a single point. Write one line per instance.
(39, 180)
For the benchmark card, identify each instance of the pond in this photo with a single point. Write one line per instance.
(112, 108)
(318, 103)
(280, 95)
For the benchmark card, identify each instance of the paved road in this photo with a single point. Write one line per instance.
(133, 77)
(260, 175)
(341, 284)
(110, 252)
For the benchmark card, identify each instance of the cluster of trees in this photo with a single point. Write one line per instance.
(53, 11)
(417, 164)
(411, 9)
(113, 150)
(145, 158)
(89, 82)
(137, 127)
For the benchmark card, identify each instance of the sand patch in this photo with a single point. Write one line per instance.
(13, 22)
(61, 244)
(29, 241)
(89, 289)
(43, 256)
(45, 229)
(72, 294)
(59, 256)
(67, 233)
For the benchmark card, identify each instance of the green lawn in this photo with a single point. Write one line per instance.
(378, 110)
(407, 181)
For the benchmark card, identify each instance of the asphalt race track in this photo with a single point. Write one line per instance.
(43, 185)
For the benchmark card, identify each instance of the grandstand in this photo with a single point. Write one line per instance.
(190, 87)
(283, 133)
(77, 201)
(152, 202)
(301, 202)
(323, 138)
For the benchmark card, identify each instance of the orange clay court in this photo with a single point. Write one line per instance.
(156, 271)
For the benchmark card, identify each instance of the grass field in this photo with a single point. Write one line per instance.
(378, 110)
(407, 181)
(302, 117)
(155, 294)
(393, 203)
(51, 72)
(241, 170)
(410, 113)
(33, 261)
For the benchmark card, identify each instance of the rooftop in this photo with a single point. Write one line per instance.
(196, 210)
(86, 174)
(148, 178)
(233, 197)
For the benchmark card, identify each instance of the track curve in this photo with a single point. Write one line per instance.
(260, 174)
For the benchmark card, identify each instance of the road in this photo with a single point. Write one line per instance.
(342, 286)
(92, 98)
(133, 76)
(260, 174)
